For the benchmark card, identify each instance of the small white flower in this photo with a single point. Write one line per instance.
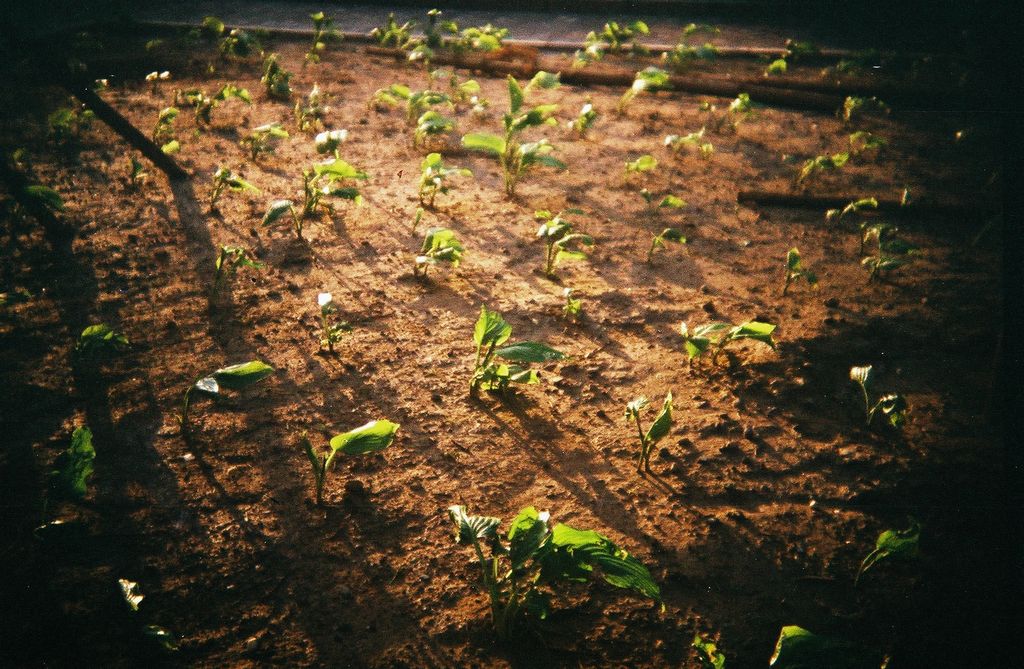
(324, 299)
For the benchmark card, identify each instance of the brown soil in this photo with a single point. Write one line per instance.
(763, 499)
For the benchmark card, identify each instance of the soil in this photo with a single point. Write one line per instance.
(762, 502)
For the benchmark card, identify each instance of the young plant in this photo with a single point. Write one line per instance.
(263, 139)
(155, 78)
(328, 141)
(137, 173)
(890, 251)
(323, 32)
(67, 124)
(520, 579)
(798, 648)
(573, 308)
(863, 141)
(515, 157)
(373, 437)
(101, 339)
(203, 105)
(560, 241)
(892, 545)
(73, 468)
(331, 329)
(795, 271)
(659, 428)
(224, 179)
(439, 245)
(643, 164)
(318, 182)
(229, 260)
(648, 80)
(483, 38)
(239, 44)
(392, 34)
(275, 79)
(694, 139)
(819, 164)
(777, 66)
(854, 106)
(668, 202)
(581, 124)
(233, 377)
(311, 110)
(684, 54)
(855, 206)
(490, 332)
(659, 241)
(416, 102)
(892, 405)
(276, 216)
(436, 29)
(163, 131)
(431, 124)
(614, 38)
(707, 653)
(434, 177)
(703, 337)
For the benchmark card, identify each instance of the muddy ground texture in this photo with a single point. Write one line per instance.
(762, 501)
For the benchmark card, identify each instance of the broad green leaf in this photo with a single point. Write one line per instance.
(662, 423)
(171, 147)
(242, 375)
(644, 163)
(75, 465)
(213, 26)
(708, 654)
(338, 169)
(482, 141)
(672, 202)
(755, 330)
(617, 566)
(45, 196)
(861, 375)
(893, 545)
(278, 208)
(517, 374)
(528, 531)
(131, 593)
(472, 528)
(101, 336)
(529, 351)
(894, 407)
(491, 329)
(798, 648)
(545, 80)
(515, 95)
(370, 438)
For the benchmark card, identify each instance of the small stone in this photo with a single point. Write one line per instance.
(832, 303)
(709, 307)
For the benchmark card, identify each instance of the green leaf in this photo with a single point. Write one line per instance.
(338, 169)
(798, 648)
(861, 375)
(644, 163)
(672, 235)
(515, 95)
(529, 351)
(45, 196)
(472, 528)
(672, 202)
(893, 545)
(131, 593)
(101, 337)
(545, 80)
(482, 141)
(370, 438)
(171, 147)
(588, 549)
(491, 329)
(74, 465)
(662, 423)
(708, 654)
(755, 330)
(278, 208)
(528, 531)
(242, 375)
(161, 636)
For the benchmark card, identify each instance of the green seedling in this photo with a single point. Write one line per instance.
(560, 241)
(229, 260)
(892, 545)
(275, 79)
(277, 212)
(891, 405)
(434, 178)
(417, 217)
(163, 131)
(328, 141)
(777, 66)
(862, 141)
(707, 653)
(437, 29)
(490, 332)
(161, 637)
(392, 34)
(890, 251)
(643, 164)
(203, 105)
(465, 92)
(667, 202)
(795, 271)
(854, 107)
(137, 173)
(331, 329)
(155, 79)
(101, 339)
(694, 139)
(648, 80)
(323, 32)
(373, 437)
(416, 102)
(520, 579)
(439, 246)
(431, 124)
(226, 180)
(855, 206)
(263, 139)
(703, 337)
(322, 180)
(131, 593)
(797, 50)
(659, 428)
(798, 648)
(311, 110)
(212, 27)
(483, 38)
(233, 377)
(573, 308)
(684, 54)
(613, 38)
(581, 124)
(659, 241)
(73, 468)
(45, 199)
(239, 44)
(819, 164)
(66, 125)
(515, 157)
